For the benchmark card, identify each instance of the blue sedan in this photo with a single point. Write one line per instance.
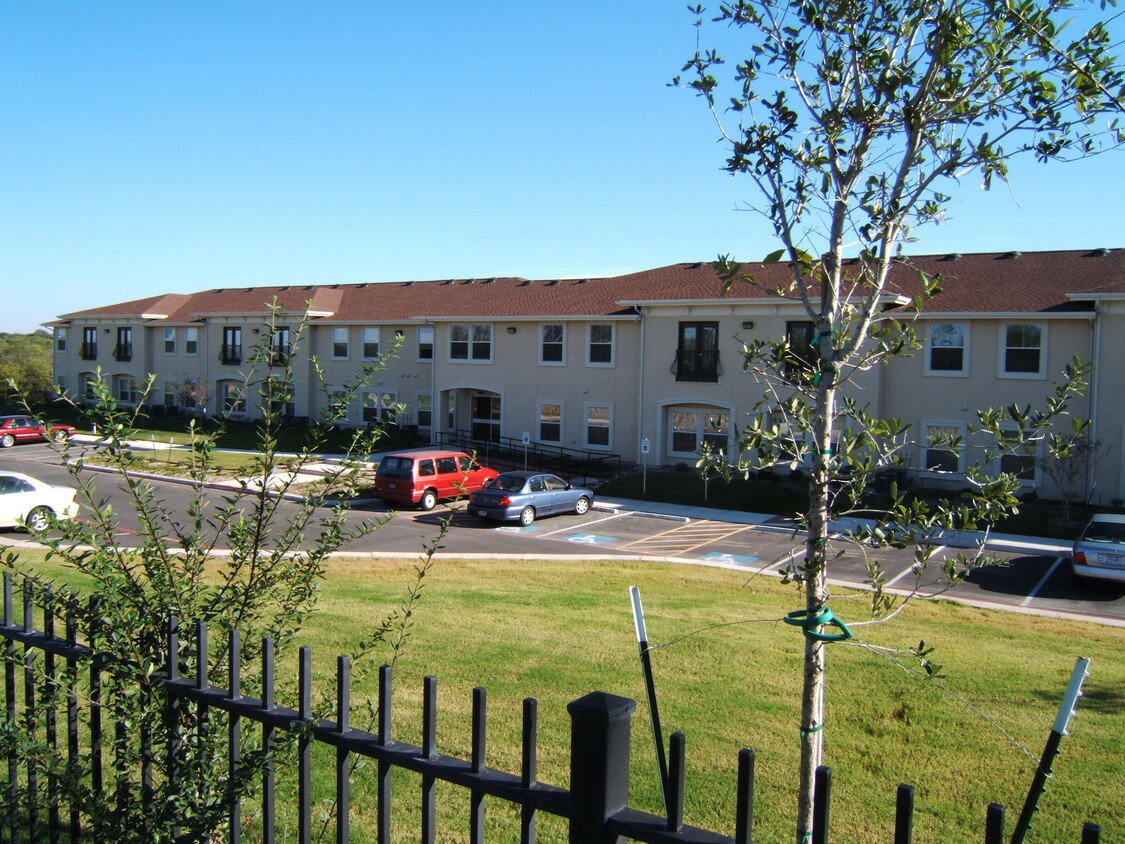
(524, 496)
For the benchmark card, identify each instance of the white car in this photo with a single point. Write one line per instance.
(1099, 552)
(31, 503)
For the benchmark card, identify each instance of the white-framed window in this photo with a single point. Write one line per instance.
(1020, 458)
(425, 410)
(233, 395)
(425, 342)
(169, 341)
(552, 344)
(191, 341)
(339, 342)
(947, 349)
(337, 403)
(550, 422)
(379, 406)
(943, 447)
(599, 350)
(470, 342)
(1023, 350)
(371, 342)
(692, 426)
(599, 425)
(60, 338)
(169, 393)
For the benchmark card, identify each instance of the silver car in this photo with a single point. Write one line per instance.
(1099, 551)
(29, 502)
(525, 496)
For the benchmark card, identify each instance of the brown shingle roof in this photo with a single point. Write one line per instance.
(972, 283)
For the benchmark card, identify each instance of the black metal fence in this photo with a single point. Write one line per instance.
(595, 806)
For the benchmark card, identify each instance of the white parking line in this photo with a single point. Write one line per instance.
(910, 569)
(570, 528)
(1031, 595)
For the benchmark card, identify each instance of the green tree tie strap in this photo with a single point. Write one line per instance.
(822, 617)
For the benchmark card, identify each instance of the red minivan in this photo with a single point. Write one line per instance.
(421, 478)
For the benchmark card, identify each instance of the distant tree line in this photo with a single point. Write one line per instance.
(25, 361)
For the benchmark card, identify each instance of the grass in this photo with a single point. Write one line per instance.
(728, 677)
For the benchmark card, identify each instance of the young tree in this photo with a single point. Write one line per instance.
(250, 562)
(26, 359)
(856, 120)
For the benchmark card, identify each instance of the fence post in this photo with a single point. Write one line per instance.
(599, 764)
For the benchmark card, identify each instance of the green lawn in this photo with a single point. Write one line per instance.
(728, 678)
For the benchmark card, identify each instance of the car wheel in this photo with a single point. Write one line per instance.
(7, 441)
(60, 436)
(39, 519)
(582, 506)
(428, 500)
(527, 516)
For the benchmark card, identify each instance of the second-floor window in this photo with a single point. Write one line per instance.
(340, 343)
(946, 349)
(280, 347)
(191, 341)
(231, 353)
(470, 342)
(697, 357)
(89, 349)
(1023, 350)
(600, 350)
(426, 342)
(169, 341)
(551, 349)
(371, 342)
(124, 348)
(60, 339)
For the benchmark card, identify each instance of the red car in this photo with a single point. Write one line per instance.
(26, 429)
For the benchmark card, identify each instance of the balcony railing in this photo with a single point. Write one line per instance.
(279, 355)
(123, 351)
(231, 354)
(697, 366)
(89, 351)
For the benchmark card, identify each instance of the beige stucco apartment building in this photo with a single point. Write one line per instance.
(609, 364)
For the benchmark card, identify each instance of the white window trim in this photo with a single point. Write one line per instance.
(164, 341)
(586, 426)
(1001, 372)
(371, 330)
(612, 345)
(701, 410)
(562, 360)
(562, 415)
(948, 373)
(1036, 480)
(347, 342)
(925, 446)
(469, 359)
(186, 335)
(432, 342)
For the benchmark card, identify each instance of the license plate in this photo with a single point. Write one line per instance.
(391, 486)
(1112, 559)
(481, 513)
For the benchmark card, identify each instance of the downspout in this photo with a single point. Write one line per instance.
(435, 406)
(1092, 399)
(640, 389)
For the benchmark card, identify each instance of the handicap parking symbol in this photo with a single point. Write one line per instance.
(590, 539)
(729, 559)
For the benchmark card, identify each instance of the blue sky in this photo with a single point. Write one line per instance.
(153, 147)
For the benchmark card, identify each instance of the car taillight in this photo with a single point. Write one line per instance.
(505, 501)
(1080, 558)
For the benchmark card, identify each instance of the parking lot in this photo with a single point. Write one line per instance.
(1028, 575)
(1031, 575)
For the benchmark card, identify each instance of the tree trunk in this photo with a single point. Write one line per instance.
(816, 595)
